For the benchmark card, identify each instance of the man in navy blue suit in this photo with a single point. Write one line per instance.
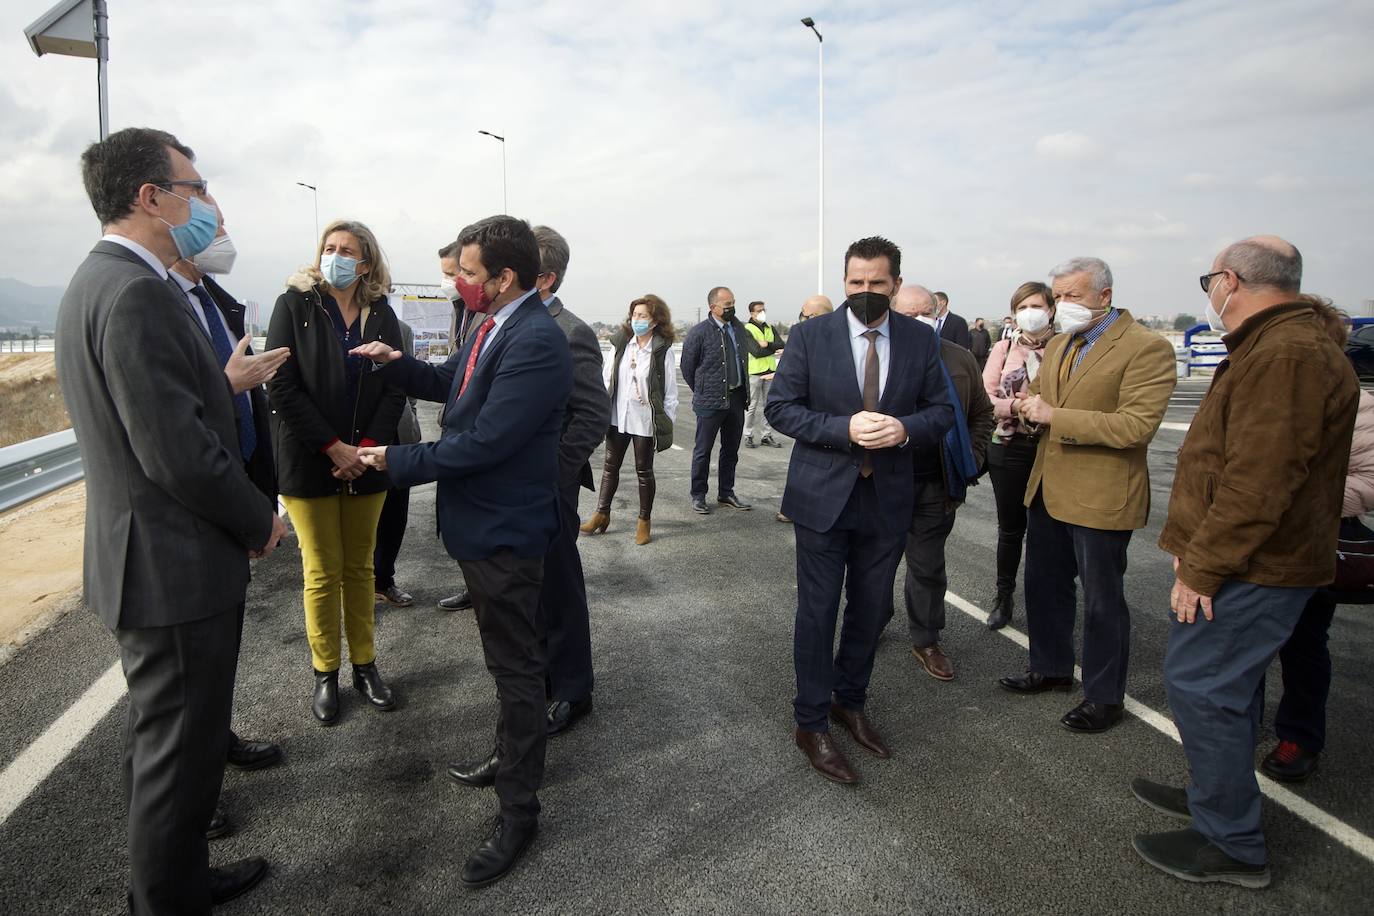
(861, 390)
(497, 468)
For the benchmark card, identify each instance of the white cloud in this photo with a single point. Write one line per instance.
(1280, 182)
(1068, 146)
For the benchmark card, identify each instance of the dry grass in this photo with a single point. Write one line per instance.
(30, 402)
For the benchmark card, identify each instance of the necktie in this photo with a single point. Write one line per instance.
(870, 392)
(1070, 357)
(219, 339)
(727, 344)
(472, 355)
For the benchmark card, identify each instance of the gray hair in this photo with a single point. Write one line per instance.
(1260, 264)
(1094, 267)
(553, 254)
(715, 291)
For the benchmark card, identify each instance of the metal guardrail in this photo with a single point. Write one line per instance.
(36, 467)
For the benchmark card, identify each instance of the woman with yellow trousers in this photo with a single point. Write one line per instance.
(325, 405)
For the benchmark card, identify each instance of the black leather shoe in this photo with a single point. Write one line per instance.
(219, 825)
(562, 714)
(1164, 799)
(326, 702)
(1288, 762)
(769, 440)
(394, 596)
(1189, 855)
(1031, 682)
(236, 878)
(1089, 718)
(699, 505)
(477, 773)
(733, 501)
(369, 683)
(1002, 607)
(498, 853)
(459, 602)
(251, 755)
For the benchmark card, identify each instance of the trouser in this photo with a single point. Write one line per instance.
(1009, 466)
(925, 562)
(617, 443)
(758, 399)
(1214, 673)
(337, 535)
(1301, 717)
(1056, 552)
(176, 736)
(391, 531)
(859, 555)
(563, 604)
(505, 593)
(729, 425)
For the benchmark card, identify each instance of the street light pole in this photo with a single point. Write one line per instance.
(316, 195)
(78, 28)
(102, 56)
(820, 194)
(505, 205)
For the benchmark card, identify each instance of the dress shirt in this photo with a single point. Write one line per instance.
(186, 287)
(499, 318)
(1092, 335)
(858, 344)
(627, 414)
(139, 250)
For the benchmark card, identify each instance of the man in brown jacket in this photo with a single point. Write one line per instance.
(1100, 395)
(1252, 527)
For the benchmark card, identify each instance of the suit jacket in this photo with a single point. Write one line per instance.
(815, 393)
(261, 468)
(1091, 462)
(408, 429)
(170, 511)
(497, 460)
(588, 412)
(955, 330)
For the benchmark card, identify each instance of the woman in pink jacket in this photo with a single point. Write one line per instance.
(1301, 719)
(1011, 367)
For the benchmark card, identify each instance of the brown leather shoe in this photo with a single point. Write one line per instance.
(825, 757)
(642, 535)
(935, 661)
(863, 731)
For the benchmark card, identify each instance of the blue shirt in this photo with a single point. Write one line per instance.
(1093, 334)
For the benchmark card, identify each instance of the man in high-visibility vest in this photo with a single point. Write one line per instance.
(764, 344)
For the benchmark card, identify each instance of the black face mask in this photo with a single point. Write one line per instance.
(868, 307)
(727, 315)
(801, 316)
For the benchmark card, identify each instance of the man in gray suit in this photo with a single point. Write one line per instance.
(171, 515)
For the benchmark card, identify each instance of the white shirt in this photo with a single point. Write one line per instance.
(858, 345)
(196, 309)
(139, 250)
(627, 413)
(500, 318)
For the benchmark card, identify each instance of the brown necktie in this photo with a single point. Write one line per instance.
(1070, 357)
(870, 393)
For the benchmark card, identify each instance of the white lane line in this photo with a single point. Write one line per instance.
(1330, 825)
(27, 771)
(1177, 427)
(676, 448)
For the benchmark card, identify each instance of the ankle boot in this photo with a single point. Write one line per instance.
(596, 523)
(326, 702)
(642, 532)
(369, 683)
(1002, 607)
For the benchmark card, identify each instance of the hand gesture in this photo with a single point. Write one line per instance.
(374, 456)
(247, 372)
(380, 353)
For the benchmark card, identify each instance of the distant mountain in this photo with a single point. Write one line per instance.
(22, 304)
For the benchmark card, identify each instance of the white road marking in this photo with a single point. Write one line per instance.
(27, 771)
(675, 447)
(1332, 826)
(1177, 427)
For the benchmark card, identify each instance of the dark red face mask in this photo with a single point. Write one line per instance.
(474, 295)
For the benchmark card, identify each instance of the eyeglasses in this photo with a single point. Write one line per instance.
(1206, 279)
(201, 186)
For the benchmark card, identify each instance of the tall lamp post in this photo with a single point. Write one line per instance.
(315, 192)
(820, 194)
(78, 28)
(505, 206)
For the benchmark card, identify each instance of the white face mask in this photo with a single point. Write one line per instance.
(1072, 316)
(218, 258)
(929, 321)
(1032, 320)
(450, 288)
(1214, 317)
(761, 317)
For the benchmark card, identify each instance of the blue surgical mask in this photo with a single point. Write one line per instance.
(640, 326)
(339, 270)
(195, 235)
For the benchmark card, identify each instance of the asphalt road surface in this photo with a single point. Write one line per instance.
(682, 791)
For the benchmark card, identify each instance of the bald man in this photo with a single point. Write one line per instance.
(938, 496)
(1252, 527)
(814, 307)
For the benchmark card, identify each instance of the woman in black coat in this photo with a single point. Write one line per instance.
(325, 405)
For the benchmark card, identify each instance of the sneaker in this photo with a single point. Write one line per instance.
(1189, 855)
(1289, 763)
(749, 442)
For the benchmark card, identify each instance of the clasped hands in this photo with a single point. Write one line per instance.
(876, 430)
(1033, 410)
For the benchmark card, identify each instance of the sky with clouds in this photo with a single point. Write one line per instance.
(675, 145)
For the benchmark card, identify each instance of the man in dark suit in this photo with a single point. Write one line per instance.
(497, 469)
(563, 603)
(949, 325)
(171, 515)
(715, 368)
(860, 390)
